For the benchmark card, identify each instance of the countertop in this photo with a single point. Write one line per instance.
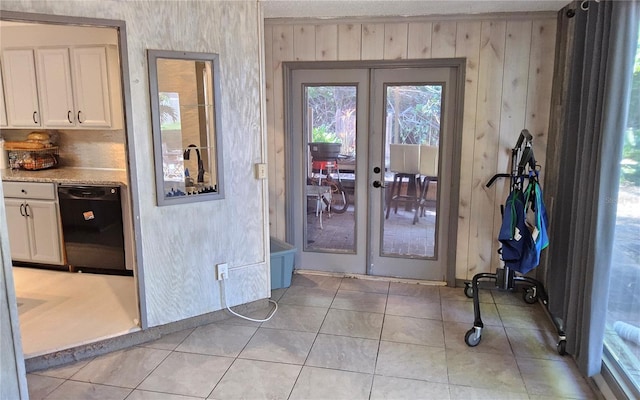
(67, 175)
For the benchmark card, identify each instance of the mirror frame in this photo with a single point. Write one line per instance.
(152, 58)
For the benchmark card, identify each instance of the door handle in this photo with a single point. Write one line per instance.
(79, 121)
(26, 210)
(22, 210)
(377, 184)
(69, 117)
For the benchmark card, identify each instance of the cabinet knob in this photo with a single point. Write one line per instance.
(23, 191)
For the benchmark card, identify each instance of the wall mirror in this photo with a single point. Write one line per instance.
(185, 112)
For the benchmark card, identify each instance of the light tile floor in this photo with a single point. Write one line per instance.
(338, 338)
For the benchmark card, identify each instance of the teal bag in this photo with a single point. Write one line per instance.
(522, 238)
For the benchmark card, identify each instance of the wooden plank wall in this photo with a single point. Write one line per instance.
(508, 87)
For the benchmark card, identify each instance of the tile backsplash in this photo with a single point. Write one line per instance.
(84, 148)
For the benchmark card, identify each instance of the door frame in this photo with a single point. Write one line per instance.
(458, 65)
(132, 214)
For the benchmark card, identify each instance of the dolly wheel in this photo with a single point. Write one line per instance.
(562, 347)
(472, 337)
(468, 290)
(530, 296)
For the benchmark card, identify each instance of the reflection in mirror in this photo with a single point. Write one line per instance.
(185, 110)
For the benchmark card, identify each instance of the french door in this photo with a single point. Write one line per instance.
(371, 153)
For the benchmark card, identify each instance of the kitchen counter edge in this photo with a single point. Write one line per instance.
(80, 176)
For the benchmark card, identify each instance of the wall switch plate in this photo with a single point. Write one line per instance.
(222, 271)
(261, 171)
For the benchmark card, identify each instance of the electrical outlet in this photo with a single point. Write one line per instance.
(222, 271)
(261, 171)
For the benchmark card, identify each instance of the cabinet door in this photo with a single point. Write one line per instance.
(44, 227)
(54, 86)
(91, 86)
(21, 91)
(3, 114)
(18, 232)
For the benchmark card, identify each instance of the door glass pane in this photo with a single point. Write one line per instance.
(622, 335)
(330, 129)
(412, 133)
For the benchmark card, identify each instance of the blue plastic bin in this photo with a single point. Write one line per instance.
(282, 256)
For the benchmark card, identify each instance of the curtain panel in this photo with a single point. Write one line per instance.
(592, 116)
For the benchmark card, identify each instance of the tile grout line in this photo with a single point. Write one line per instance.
(384, 317)
(314, 340)
(511, 342)
(235, 358)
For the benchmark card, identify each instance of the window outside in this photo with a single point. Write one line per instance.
(622, 336)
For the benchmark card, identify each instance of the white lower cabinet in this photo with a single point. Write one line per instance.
(34, 225)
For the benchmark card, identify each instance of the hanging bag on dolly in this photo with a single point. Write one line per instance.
(522, 237)
(539, 227)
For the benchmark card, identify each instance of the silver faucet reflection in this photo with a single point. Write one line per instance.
(200, 163)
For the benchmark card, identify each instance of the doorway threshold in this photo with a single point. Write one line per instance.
(369, 277)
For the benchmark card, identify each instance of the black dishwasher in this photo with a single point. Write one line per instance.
(92, 228)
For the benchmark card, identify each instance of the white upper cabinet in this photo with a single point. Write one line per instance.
(77, 87)
(54, 85)
(91, 86)
(21, 90)
(3, 113)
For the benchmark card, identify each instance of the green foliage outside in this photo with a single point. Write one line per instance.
(412, 114)
(322, 134)
(332, 115)
(168, 115)
(630, 169)
(329, 105)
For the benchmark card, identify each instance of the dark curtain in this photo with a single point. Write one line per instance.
(594, 111)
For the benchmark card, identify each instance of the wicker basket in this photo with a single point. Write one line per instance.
(33, 160)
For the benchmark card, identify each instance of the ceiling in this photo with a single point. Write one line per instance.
(405, 8)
